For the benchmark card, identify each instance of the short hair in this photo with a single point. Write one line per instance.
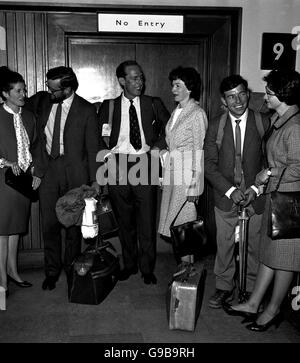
(191, 78)
(230, 82)
(66, 75)
(121, 69)
(8, 79)
(285, 83)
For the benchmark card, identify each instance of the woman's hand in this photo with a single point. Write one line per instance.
(36, 181)
(15, 167)
(262, 178)
(192, 198)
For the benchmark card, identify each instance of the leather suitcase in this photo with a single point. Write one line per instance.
(184, 297)
(94, 274)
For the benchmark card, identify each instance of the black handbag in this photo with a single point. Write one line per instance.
(284, 219)
(21, 183)
(108, 225)
(189, 238)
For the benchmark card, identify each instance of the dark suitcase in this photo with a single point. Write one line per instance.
(184, 297)
(94, 274)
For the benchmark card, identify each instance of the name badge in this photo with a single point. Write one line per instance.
(106, 130)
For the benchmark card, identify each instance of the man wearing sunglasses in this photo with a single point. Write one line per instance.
(68, 132)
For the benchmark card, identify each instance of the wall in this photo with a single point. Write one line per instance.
(258, 16)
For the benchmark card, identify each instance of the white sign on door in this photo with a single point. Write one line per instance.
(140, 23)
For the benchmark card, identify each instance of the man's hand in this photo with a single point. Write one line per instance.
(250, 196)
(237, 196)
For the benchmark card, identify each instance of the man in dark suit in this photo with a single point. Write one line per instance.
(231, 165)
(136, 127)
(68, 130)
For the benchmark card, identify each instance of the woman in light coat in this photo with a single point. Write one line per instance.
(183, 163)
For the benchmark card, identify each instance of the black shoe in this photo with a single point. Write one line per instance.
(149, 279)
(276, 321)
(126, 273)
(248, 317)
(49, 283)
(219, 298)
(20, 284)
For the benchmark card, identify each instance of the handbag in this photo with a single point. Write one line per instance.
(189, 238)
(108, 225)
(284, 218)
(21, 183)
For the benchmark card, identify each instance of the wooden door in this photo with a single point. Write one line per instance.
(95, 60)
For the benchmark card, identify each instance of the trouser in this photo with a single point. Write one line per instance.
(225, 265)
(135, 210)
(54, 186)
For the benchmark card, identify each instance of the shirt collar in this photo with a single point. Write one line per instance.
(136, 100)
(68, 101)
(243, 118)
(9, 110)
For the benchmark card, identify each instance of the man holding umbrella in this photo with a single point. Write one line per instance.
(232, 158)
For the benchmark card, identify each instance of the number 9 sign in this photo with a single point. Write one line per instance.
(277, 51)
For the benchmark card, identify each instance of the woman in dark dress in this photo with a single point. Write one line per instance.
(18, 147)
(279, 259)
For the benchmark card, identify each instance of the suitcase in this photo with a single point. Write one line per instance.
(184, 297)
(94, 274)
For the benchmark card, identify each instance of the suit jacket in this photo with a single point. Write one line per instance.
(283, 151)
(154, 117)
(81, 137)
(219, 164)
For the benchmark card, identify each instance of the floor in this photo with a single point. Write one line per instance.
(132, 313)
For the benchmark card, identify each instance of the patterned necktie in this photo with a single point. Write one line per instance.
(24, 156)
(238, 155)
(135, 134)
(55, 147)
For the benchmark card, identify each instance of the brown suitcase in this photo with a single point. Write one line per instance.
(184, 297)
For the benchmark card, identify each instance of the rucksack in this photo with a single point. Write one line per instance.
(220, 134)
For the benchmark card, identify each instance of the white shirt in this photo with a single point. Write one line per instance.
(65, 108)
(123, 145)
(177, 112)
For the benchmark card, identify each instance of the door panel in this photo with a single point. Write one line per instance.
(95, 61)
(95, 65)
(158, 60)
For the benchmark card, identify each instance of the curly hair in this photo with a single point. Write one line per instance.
(285, 83)
(191, 78)
(8, 79)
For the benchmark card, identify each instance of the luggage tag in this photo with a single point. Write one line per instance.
(106, 130)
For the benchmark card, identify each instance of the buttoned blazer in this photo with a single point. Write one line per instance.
(219, 163)
(81, 137)
(154, 117)
(283, 151)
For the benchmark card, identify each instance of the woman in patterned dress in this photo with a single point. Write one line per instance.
(17, 143)
(183, 163)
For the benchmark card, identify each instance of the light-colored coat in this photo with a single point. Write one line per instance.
(185, 155)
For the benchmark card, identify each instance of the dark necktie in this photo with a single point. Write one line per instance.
(55, 147)
(135, 134)
(238, 155)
